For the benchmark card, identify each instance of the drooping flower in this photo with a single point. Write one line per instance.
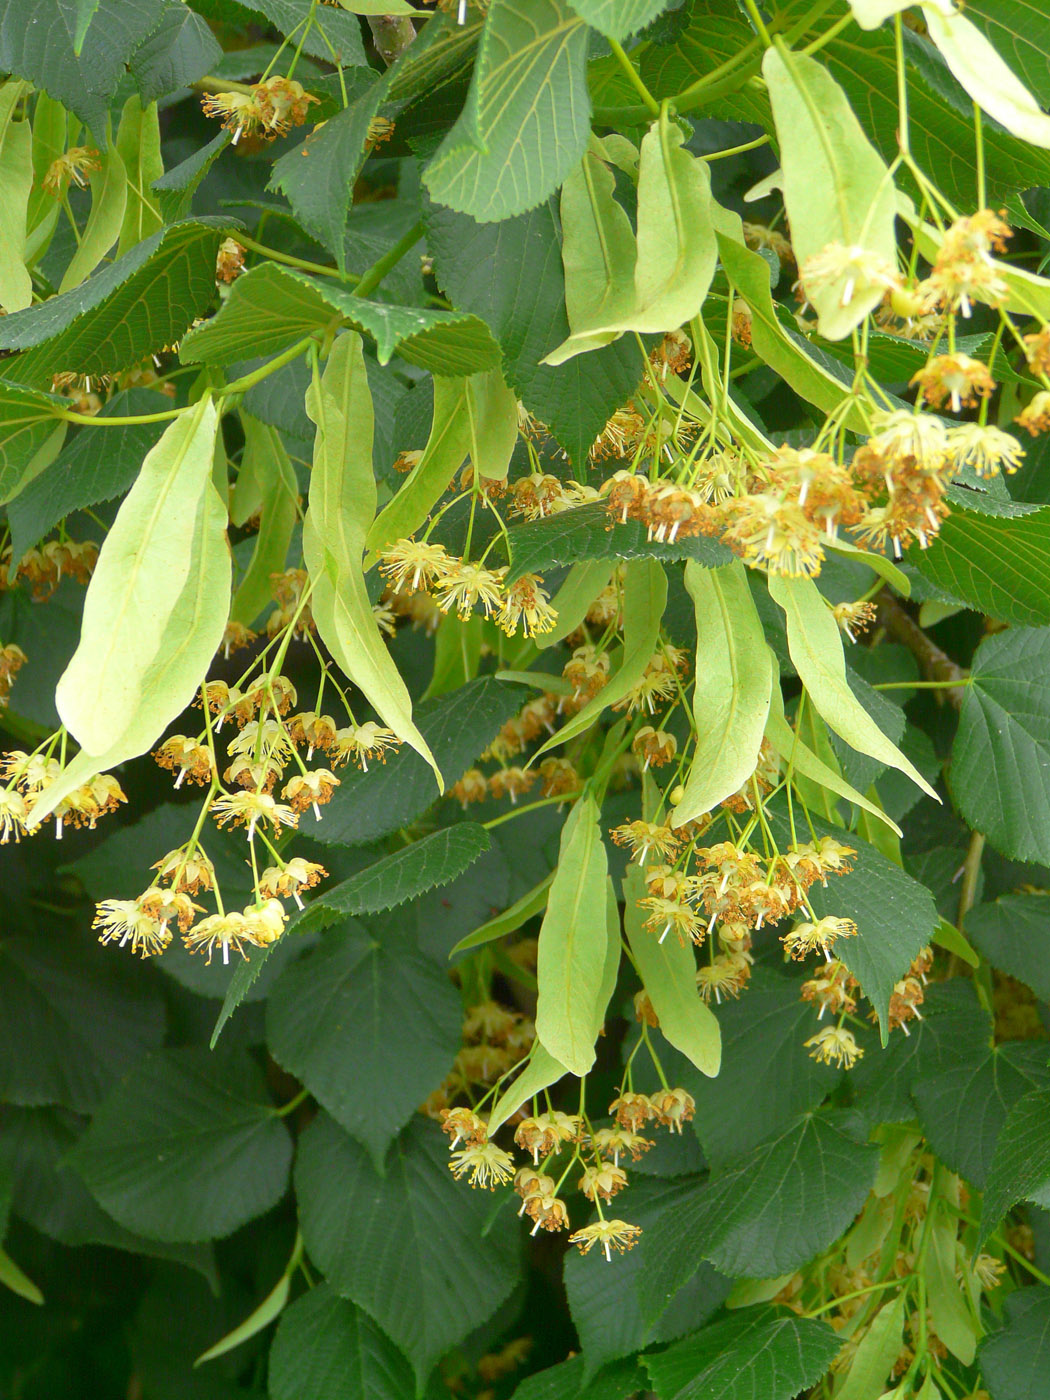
(489, 1166)
(834, 1045)
(610, 1234)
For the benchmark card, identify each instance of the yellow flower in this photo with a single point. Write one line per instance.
(853, 272)
(1036, 415)
(526, 604)
(229, 263)
(190, 873)
(615, 1233)
(128, 920)
(808, 938)
(674, 1107)
(489, 1166)
(13, 811)
(72, 167)
(985, 448)
(310, 790)
(834, 1045)
(604, 1181)
(610, 1142)
(251, 808)
(467, 585)
(956, 378)
(463, 1125)
(226, 931)
(412, 564)
(287, 880)
(362, 742)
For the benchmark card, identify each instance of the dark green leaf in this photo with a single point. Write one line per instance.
(1020, 1169)
(136, 305)
(271, 307)
(583, 534)
(964, 1085)
(762, 1351)
(1015, 1360)
(767, 1215)
(74, 1021)
(334, 35)
(618, 19)
(349, 1003)
(95, 466)
(186, 1148)
(325, 1348)
(1000, 771)
(407, 1246)
(1020, 30)
(49, 1195)
(526, 121)
(1014, 935)
(457, 727)
(767, 1077)
(176, 187)
(606, 1309)
(177, 52)
(434, 860)
(510, 274)
(997, 564)
(622, 1381)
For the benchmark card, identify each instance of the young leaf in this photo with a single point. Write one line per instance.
(815, 644)
(644, 600)
(342, 507)
(1005, 729)
(141, 572)
(109, 198)
(598, 253)
(878, 1350)
(527, 116)
(271, 1306)
(734, 678)
(186, 1148)
(432, 861)
(836, 189)
(12, 1277)
(572, 945)
(762, 1351)
(327, 1348)
(676, 239)
(667, 968)
(541, 1071)
(138, 143)
(266, 459)
(991, 83)
(346, 1003)
(950, 1316)
(408, 1245)
(16, 179)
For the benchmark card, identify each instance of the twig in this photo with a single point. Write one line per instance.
(936, 664)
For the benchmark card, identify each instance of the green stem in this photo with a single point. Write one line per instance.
(371, 278)
(289, 261)
(528, 807)
(737, 150)
(758, 22)
(264, 371)
(921, 685)
(634, 78)
(292, 1104)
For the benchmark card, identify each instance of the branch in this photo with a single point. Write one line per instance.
(392, 35)
(935, 664)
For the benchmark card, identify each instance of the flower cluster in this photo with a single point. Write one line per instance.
(45, 567)
(459, 586)
(29, 775)
(270, 109)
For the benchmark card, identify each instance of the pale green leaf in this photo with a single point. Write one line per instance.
(109, 197)
(781, 346)
(180, 657)
(836, 187)
(512, 918)
(274, 496)
(598, 254)
(492, 413)
(271, 1306)
(676, 239)
(16, 180)
(186, 1148)
(12, 1277)
(950, 1316)
(645, 597)
(527, 117)
(799, 758)
(878, 1350)
(581, 586)
(989, 80)
(573, 942)
(869, 14)
(541, 1071)
(342, 507)
(138, 143)
(815, 644)
(734, 679)
(667, 967)
(142, 570)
